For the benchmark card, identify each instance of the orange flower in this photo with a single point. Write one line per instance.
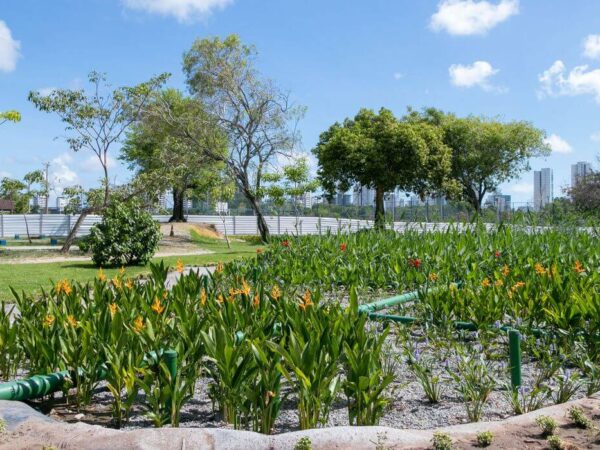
(220, 299)
(505, 270)
(179, 266)
(343, 246)
(306, 301)
(219, 268)
(486, 282)
(157, 307)
(129, 284)
(203, 297)
(553, 270)
(113, 309)
(245, 288)
(578, 267)
(138, 324)
(72, 320)
(48, 320)
(116, 282)
(518, 285)
(259, 250)
(256, 302)
(539, 269)
(275, 293)
(122, 271)
(63, 286)
(101, 276)
(433, 277)
(499, 283)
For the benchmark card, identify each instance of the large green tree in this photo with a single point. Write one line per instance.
(164, 160)
(95, 121)
(381, 152)
(256, 115)
(485, 152)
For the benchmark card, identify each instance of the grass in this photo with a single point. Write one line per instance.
(33, 277)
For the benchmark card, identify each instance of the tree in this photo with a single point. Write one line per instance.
(256, 116)
(165, 160)
(21, 192)
(381, 152)
(485, 152)
(96, 121)
(293, 182)
(9, 116)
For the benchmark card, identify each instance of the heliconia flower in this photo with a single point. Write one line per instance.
(63, 286)
(539, 269)
(157, 307)
(433, 277)
(122, 271)
(203, 297)
(498, 283)
(245, 288)
(72, 321)
(256, 301)
(220, 299)
(486, 282)
(138, 324)
(219, 268)
(306, 300)
(285, 243)
(259, 250)
(578, 267)
(343, 246)
(497, 254)
(101, 276)
(275, 293)
(505, 270)
(129, 284)
(179, 266)
(414, 262)
(49, 320)
(113, 309)
(116, 282)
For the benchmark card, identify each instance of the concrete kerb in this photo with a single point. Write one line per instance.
(27, 428)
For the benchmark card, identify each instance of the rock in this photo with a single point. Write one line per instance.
(79, 416)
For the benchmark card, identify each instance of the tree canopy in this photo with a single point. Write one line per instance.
(381, 152)
(10, 116)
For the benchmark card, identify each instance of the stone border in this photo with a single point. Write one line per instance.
(27, 428)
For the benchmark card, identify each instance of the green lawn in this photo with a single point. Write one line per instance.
(31, 277)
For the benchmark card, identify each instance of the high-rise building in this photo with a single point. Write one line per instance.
(543, 185)
(501, 202)
(363, 196)
(580, 170)
(39, 201)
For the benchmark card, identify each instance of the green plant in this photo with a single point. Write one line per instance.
(547, 424)
(555, 443)
(442, 441)
(525, 399)
(126, 235)
(2, 426)
(567, 385)
(304, 443)
(485, 438)
(423, 368)
(579, 418)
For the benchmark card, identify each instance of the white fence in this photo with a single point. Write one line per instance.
(56, 225)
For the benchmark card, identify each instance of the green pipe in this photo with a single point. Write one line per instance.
(397, 300)
(514, 356)
(40, 385)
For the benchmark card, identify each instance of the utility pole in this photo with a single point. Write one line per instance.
(46, 186)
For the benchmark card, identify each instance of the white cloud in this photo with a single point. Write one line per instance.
(558, 144)
(4, 174)
(182, 10)
(9, 49)
(468, 17)
(92, 164)
(476, 74)
(595, 136)
(521, 188)
(61, 174)
(398, 75)
(46, 90)
(591, 46)
(580, 80)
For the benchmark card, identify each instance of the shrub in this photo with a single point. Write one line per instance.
(485, 438)
(303, 443)
(547, 424)
(441, 441)
(579, 418)
(126, 235)
(555, 443)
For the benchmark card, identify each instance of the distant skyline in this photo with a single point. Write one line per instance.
(516, 60)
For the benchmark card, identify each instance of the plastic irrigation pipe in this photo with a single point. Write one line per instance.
(40, 385)
(397, 300)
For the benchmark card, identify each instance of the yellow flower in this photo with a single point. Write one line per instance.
(219, 268)
(49, 320)
(113, 309)
(256, 302)
(138, 324)
(245, 288)
(203, 297)
(499, 283)
(539, 269)
(275, 293)
(553, 270)
(63, 286)
(578, 267)
(486, 282)
(101, 276)
(518, 285)
(164, 295)
(220, 299)
(129, 284)
(72, 320)
(116, 282)
(433, 277)
(505, 270)
(122, 271)
(179, 266)
(306, 300)
(157, 307)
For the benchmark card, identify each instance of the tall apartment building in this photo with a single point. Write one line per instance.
(543, 188)
(363, 196)
(580, 170)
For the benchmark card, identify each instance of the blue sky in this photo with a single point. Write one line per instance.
(529, 60)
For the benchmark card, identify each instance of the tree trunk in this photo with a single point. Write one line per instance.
(263, 228)
(178, 210)
(379, 208)
(73, 233)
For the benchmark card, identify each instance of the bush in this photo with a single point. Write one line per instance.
(579, 418)
(547, 424)
(126, 235)
(485, 438)
(441, 441)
